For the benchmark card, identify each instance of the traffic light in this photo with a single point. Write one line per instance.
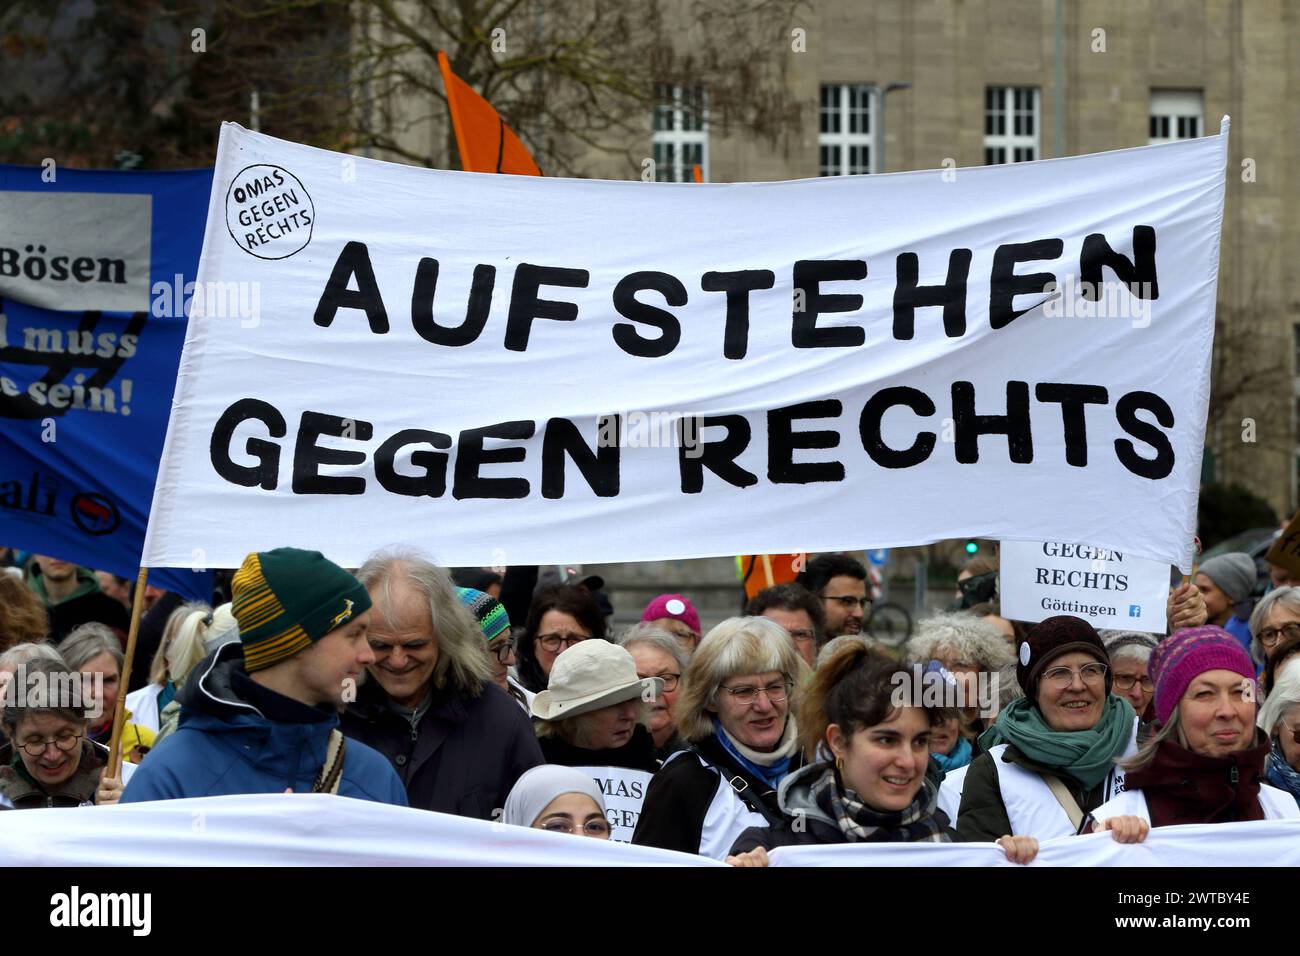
(972, 547)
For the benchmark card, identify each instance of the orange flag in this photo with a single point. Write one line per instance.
(486, 143)
(759, 571)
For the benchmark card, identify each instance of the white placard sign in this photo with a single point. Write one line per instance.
(526, 370)
(1105, 586)
(624, 792)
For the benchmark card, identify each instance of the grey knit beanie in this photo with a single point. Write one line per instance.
(1233, 573)
(1115, 641)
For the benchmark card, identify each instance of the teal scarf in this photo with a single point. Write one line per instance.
(1086, 755)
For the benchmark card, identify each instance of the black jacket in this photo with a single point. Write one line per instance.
(795, 797)
(804, 822)
(672, 817)
(463, 756)
(637, 754)
(95, 607)
(671, 746)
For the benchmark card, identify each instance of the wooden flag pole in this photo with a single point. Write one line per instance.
(123, 681)
(767, 569)
(1196, 555)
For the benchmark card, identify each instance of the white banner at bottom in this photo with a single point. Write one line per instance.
(1258, 843)
(324, 830)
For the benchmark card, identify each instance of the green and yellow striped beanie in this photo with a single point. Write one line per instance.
(286, 599)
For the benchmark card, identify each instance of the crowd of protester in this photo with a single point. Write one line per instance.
(510, 697)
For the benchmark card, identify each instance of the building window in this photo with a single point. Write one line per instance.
(1011, 124)
(680, 139)
(844, 140)
(1176, 114)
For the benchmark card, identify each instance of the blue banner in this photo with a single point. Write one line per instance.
(95, 270)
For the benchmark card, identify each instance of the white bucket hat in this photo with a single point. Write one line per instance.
(590, 675)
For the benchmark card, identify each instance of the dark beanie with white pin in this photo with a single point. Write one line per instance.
(1051, 638)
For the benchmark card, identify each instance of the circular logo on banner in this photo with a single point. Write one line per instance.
(95, 514)
(268, 212)
(1024, 653)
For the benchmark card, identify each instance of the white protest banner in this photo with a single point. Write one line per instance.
(297, 829)
(624, 792)
(317, 829)
(540, 370)
(1104, 586)
(1256, 843)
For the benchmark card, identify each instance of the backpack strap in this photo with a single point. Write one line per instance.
(331, 774)
(1066, 800)
(754, 793)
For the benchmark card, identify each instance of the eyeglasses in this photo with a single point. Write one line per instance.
(747, 694)
(1126, 683)
(502, 651)
(1269, 636)
(552, 642)
(67, 742)
(592, 828)
(1062, 677)
(670, 680)
(1293, 731)
(848, 602)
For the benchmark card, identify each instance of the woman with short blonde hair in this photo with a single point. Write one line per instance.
(736, 708)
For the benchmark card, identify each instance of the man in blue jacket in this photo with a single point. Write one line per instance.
(261, 716)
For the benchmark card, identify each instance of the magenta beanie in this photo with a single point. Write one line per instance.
(676, 606)
(1183, 655)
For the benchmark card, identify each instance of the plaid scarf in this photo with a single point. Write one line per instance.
(920, 822)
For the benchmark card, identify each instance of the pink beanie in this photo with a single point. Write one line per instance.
(1181, 657)
(676, 606)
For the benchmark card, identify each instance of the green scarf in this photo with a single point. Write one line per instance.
(1086, 755)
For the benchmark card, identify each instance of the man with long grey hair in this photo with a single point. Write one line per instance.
(428, 704)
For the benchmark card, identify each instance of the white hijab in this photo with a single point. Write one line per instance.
(534, 791)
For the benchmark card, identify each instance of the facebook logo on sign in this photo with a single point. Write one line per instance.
(1135, 610)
